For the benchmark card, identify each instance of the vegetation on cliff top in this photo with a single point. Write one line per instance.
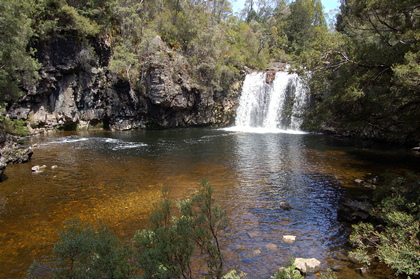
(365, 74)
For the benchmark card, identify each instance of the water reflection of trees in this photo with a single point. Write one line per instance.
(272, 168)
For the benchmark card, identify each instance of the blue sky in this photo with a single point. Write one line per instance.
(328, 5)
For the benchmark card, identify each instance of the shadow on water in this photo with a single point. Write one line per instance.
(117, 176)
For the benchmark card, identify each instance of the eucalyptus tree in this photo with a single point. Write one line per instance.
(18, 68)
(375, 72)
(306, 19)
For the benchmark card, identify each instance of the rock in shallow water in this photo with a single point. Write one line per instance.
(38, 169)
(289, 239)
(308, 265)
(285, 205)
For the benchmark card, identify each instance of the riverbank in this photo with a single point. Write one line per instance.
(11, 152)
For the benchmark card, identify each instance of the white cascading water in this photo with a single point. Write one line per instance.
(275, 106)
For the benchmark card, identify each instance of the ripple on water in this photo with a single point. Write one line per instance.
(117, 177)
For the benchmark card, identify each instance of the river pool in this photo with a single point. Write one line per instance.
(117, 176)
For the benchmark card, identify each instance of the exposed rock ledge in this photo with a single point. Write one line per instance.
(11, 152)
(78, 90)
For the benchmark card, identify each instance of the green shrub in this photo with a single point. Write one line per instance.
(165, 250)
(289, 272)
(86, 251)
(395, 241)
(12, 126)
(329, 275)
(233, 275)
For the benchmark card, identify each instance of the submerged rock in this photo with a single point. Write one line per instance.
(350, 210)
(271, 246)
(285, 205)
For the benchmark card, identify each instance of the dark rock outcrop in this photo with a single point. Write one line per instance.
(77, 90)
(2, 167)
(354, 210)
(11, 152)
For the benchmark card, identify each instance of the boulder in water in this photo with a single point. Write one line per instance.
(289, 239)
(307, 265)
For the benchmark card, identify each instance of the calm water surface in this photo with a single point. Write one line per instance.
(117, 176)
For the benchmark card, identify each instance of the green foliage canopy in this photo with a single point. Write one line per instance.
(17, 67)
(372, 72)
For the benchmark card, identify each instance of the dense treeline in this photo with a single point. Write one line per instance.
(364, 74)
(367, 81)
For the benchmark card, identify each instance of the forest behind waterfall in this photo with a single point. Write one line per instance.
(363, 65)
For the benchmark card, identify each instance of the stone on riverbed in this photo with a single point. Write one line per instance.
(308, 265)
(38, 169)
(271, 246)
(285, 205)
(359, 181)
(289, 239)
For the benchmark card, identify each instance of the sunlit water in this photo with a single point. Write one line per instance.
(117, 176)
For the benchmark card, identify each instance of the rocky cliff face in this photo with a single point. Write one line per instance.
(77, 90)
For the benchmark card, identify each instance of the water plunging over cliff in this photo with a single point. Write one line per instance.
(274, 106)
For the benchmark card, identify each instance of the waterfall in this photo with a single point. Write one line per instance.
(275, 106)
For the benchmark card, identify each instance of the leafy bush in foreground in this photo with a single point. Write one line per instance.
(289, 272)
(166, 249)
(86, 251)
(395, 241)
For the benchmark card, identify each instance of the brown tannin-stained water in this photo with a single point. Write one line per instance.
(117, 176)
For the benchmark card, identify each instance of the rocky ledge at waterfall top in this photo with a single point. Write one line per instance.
(77, 90)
